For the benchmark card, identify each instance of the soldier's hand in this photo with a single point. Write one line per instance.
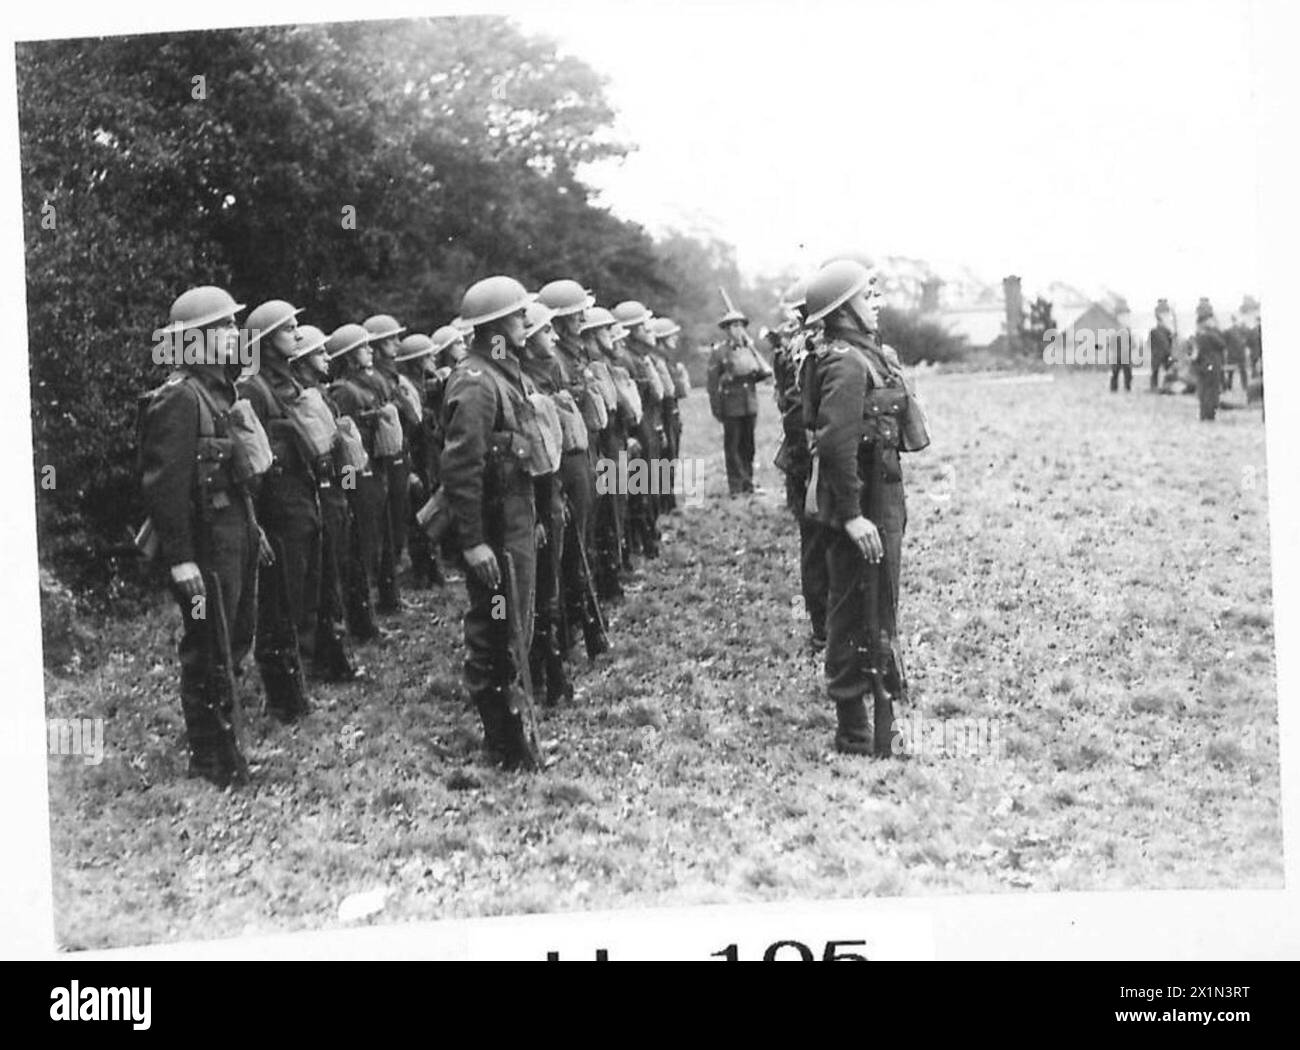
(265, 552)
(867, 537)
(539, 535)
(188, 580)
(483, 564)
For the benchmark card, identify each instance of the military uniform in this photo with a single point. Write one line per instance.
(578, 481)
(202, 513)
(795, 458)
(369, 498)
(546, 657)
(611, 507)
(672, 415)
(342, 580)
(1209, 358)
(1161, 343)
(854, 396)
(288, 589)
(383, 380)
(734, 402)
(1119, 348)
(492, 500)
(649, 432)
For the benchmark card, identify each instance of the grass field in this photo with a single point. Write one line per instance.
(1087, 573)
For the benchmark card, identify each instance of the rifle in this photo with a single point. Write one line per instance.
(221, 695)
(882, 718)
(593, 623)
(520, 697)
(285, 656)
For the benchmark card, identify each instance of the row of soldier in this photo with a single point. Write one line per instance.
(283, 496)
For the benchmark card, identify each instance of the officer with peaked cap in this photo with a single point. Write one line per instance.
(490, 495)
(194, 479)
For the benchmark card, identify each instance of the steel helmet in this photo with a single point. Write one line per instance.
(664, 327)
(491, 299)
(732, 316)
(382, 326)
(796, 295)
(345, 339)
(200, 306)
(862, 258)
(537, 315)
(413, 346)
(445, 336)
(310, 339)
(834, 285)
(566, 297)
(631, 313)
(265, 319)
(597, 317)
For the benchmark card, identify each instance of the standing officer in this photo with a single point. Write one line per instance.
(1209, 358)
(734, 369)
(332, 660)
(1161, 342)
(795, 453)
(491, 499)
(194, 478)
(638, 357)
(383, 380)
(855, 397)
(287, 510)
(349, 352)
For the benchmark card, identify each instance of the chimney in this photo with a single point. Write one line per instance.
(1015, 309)
(930, 295)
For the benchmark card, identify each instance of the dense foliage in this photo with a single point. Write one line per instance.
(154, 163)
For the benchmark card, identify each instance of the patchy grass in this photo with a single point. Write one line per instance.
(1088, 572)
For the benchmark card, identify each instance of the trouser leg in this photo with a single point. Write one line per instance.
(731, 441)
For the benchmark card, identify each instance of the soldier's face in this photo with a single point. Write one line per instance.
(363, 356)
(542, 341)
(386, 349)
(285, 337)
(736, 332)
(457, 351)
(512, 327)
(866, 306)
(604, 338)
(318, 362)
(670, 341)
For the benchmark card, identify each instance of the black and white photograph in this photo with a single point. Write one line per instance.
(635, 459)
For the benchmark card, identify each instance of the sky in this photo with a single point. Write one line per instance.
(1100, 144)
(1111, 146)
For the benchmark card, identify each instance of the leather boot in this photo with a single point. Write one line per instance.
(853, 736)
(505, 738)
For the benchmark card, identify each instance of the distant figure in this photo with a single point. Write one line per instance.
(1235, 340)
(734, 368)
(1161, 342)
(1119, 347)
(1209, 357)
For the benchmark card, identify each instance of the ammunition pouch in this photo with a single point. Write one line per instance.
(387, 431)
(573, 427)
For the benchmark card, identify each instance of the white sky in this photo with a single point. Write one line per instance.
(1089, 141)
(1093, 142)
